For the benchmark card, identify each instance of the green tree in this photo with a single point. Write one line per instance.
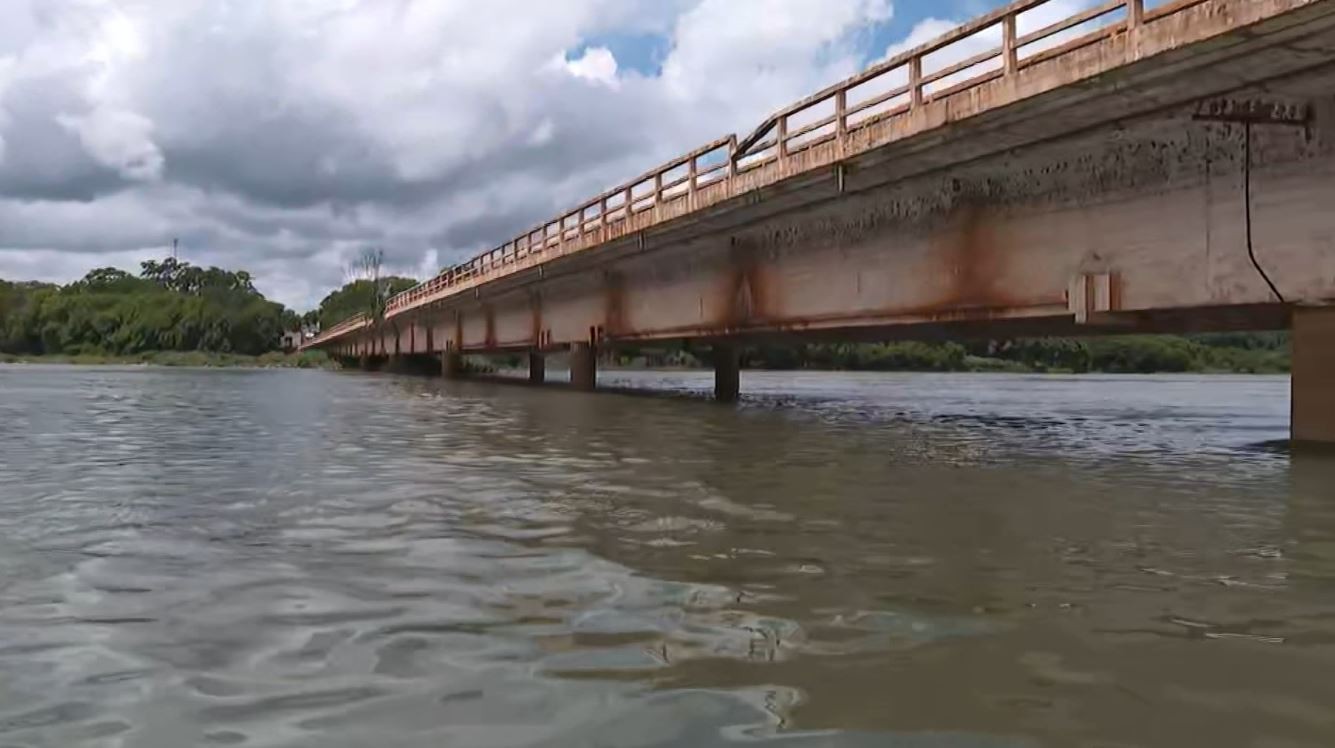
(171, 305)
(359, 297)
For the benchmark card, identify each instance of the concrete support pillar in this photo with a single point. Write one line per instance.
(1313, 415)
(583, 366)
(537, 367)
(727, 373)
(1310, 518)
(451, 364)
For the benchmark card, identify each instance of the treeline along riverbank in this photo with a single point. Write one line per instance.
(1244, 353)
(169, 306)
(1251, 353)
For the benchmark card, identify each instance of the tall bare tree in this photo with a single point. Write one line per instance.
(367, 267)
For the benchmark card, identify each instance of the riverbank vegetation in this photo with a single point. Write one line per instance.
(169, 306)
(1244, 353)
(202, 359)
(362, 296)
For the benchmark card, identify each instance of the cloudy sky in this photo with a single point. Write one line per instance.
(281, 136)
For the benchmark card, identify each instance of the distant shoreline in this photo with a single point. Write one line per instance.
(204, 359)
(1126, 355)
(293, 361)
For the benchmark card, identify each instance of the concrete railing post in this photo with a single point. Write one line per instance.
(841, 120)
(1135, 18)
(1135, 13)
(1010, 55)
(915, 82)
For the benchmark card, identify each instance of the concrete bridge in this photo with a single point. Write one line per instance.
(1138, 166)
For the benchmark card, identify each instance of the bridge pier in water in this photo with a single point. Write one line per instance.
(451, 364)
(583, 366)
(727, 372)
(537, 367)
(1313, 414)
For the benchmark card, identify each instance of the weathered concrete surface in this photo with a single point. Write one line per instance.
(1000, 204)
(1314, 375)
(1149, 218)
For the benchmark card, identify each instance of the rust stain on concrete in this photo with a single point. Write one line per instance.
(973, 258)
(489, 323)
(614, 305)
(535, 310)
(745, 300)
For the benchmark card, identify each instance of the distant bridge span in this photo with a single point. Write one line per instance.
(1139, 166)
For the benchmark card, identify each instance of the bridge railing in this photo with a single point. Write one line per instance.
(1000, 43)
(668, 183)
(995, 45)
(355, 322)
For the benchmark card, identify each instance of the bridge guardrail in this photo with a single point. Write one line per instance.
(355, 322)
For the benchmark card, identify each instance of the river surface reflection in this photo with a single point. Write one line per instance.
(284, 558)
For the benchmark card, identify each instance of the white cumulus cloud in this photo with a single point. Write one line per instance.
(597, 64)
(119, 140)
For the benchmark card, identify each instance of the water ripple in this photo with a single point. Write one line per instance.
(303, 558)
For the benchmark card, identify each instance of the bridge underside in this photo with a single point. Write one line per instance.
(1126, 207)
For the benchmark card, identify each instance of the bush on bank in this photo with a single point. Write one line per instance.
(199, 359)
(168, 306)
(1250, 353)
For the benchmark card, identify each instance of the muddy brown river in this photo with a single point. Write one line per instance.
(290, 558)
